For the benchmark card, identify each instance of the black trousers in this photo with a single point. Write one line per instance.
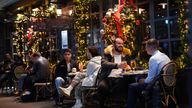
(7, 77)
(113, 87)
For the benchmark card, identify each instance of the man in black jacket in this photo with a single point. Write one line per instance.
(115, 57)
(62, 69)
(6, 67)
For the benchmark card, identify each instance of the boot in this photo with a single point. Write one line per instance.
(78, 104)
(66, 91)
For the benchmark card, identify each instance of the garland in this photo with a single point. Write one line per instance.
(183, 60)
(81, 27)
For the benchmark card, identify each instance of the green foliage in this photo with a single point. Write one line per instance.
(183, 60)
(81, 27)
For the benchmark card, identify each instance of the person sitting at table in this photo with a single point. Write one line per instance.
(85, 79)
(62, 69)
(156, 62)
(6, 70)
(114, 55)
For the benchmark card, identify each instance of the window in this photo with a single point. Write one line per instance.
(174, 28)
(160, 8)
(161, 29)
(64, 39)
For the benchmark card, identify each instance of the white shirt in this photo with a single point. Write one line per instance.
(68, 67)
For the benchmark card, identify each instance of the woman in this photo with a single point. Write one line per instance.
(85, 79)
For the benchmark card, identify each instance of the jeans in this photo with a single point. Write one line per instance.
(21, 82)
(59, 81)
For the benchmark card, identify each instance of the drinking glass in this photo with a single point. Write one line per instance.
(125, 65)
(133, 64)
(81, 67)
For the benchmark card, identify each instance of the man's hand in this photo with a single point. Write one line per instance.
(124, 66)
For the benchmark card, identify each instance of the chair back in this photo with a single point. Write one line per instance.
(52, 72)
(18, 70)
(169, 72)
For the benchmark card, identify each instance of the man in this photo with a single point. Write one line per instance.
(156, 62)
(6, 67)
(40, 71)
(62, 69)
(113, 57)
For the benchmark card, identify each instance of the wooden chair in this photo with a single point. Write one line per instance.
(165, 82)
(43, 87)
(46, 86)
(18, 72)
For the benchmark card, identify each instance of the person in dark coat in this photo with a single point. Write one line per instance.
(62, 69)
(6, 70)
(40, 71)
(115, 57)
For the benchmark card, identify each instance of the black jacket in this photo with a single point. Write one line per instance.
(107, 62)
(61, 69)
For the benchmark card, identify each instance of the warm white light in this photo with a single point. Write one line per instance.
(70, 12)
(59, 12)
(163, 5)
(141, 10)
(35, 9)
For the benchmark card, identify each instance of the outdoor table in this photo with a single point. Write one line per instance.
(135, 72)
(118, 73)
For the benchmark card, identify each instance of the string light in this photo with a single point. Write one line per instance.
(81, 26)
(183, 60)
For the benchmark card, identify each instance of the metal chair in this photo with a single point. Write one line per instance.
(88, 93)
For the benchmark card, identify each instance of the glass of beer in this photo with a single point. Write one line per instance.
(133, 64)
(81, 67)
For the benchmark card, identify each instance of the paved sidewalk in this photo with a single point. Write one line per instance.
(13, 102)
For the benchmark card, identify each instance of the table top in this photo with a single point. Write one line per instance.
(116, 73)
(135, 72)
(75, 73)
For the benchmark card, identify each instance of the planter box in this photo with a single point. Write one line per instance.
(184, 88)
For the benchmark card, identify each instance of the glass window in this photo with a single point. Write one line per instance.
(174, 28)
(143, 10)
(175, 49)
(160, 8)
(94, 7)
(173, 8)
(164, 47)
(161, 29)
(106, 5)
(95, 21)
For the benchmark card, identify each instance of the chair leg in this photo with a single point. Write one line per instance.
(37, 93)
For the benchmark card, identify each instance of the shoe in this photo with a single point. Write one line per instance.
(77, 105)
(64, 91)
(59, 103)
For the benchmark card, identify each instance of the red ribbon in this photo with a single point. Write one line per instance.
(117, 15)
